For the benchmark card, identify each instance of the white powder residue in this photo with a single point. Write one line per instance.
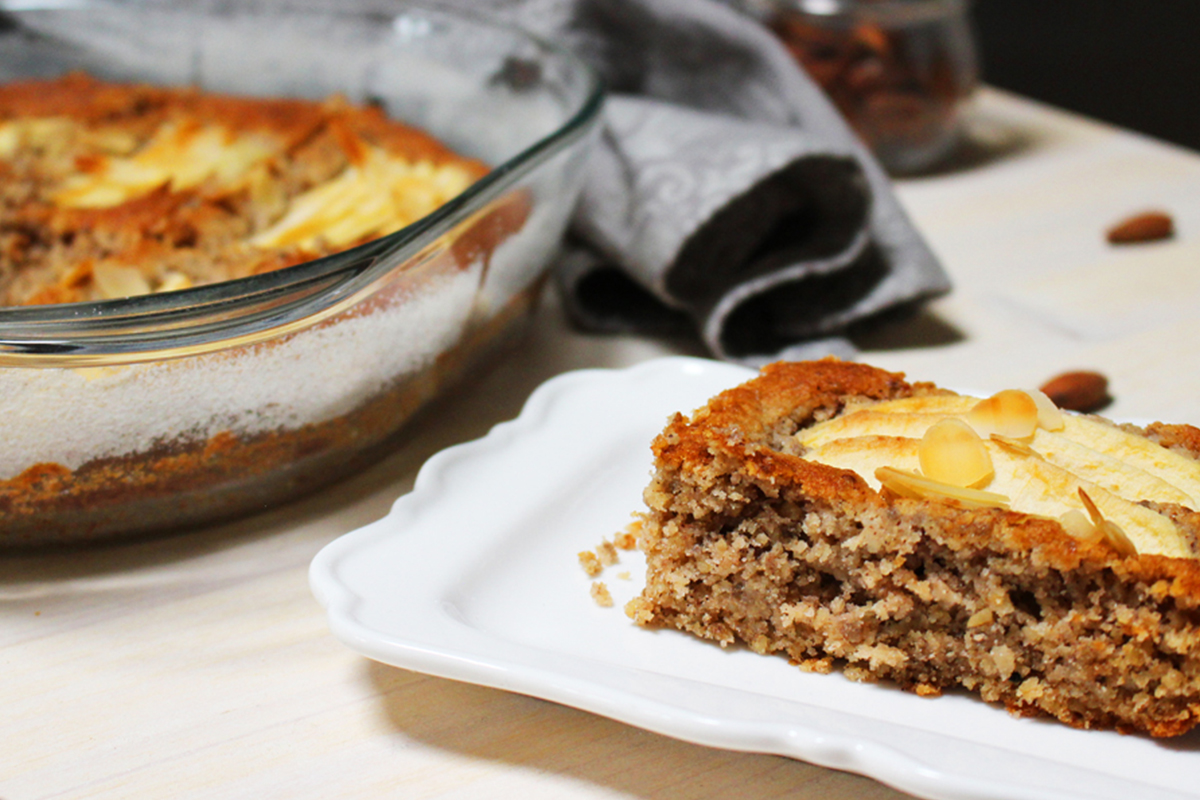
(71, 416)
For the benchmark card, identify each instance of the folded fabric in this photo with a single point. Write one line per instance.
(727, 196)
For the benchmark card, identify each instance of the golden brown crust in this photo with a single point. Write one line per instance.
(84, 98)
(748, 541)
(800, 392)
(1181, 438)
(75, 95)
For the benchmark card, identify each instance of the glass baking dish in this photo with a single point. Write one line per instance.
(164, 411)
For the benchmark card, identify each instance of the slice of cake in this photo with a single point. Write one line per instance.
(836, 514)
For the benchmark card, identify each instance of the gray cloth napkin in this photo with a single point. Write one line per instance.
(727, 196)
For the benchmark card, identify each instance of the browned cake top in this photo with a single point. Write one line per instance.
(754, 423)
(116, 189)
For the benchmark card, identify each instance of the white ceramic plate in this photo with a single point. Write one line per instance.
(474, 576)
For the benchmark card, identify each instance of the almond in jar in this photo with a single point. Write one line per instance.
(899, 71)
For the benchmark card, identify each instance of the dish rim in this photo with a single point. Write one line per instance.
(258, 307)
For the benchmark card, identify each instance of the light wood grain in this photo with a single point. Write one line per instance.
(199, 666)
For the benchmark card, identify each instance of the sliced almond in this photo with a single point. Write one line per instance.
(1013, 445)
(1118, 539)
(1092, 510)
(114, 281)
(173, 282)
(952, 452)
(1011, 412)
(1110, 530)
(1049, 415)
(910, 484)
(1077, 525)
(981, 618)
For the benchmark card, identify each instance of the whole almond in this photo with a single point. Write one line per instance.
(1078, 391)
(1149, 226)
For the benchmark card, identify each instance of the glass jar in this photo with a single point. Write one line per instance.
(898, 70)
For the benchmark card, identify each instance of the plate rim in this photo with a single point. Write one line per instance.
(789, 738)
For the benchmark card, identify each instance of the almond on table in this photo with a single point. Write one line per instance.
(1149, 226)
(1082, 391)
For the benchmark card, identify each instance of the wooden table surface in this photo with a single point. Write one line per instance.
(201, 666)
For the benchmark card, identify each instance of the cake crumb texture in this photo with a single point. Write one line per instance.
(749, 543)
(601, 594)
(590, 563)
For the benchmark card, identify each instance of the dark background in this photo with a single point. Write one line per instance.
(1135, 63)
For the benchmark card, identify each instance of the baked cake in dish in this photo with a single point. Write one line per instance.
(111, 190)
(842, 517)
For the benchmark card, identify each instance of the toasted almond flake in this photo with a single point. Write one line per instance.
(173, 282)
(1013, 445)
(114, 281)
(181, 154)
(383, 193)
(1076, 524)
(951, 452)
(1111, 531)
(1010, 412)
(1048, 415)
(1092, 510)
(910, 484)
(1118, 539)
(981, 618)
